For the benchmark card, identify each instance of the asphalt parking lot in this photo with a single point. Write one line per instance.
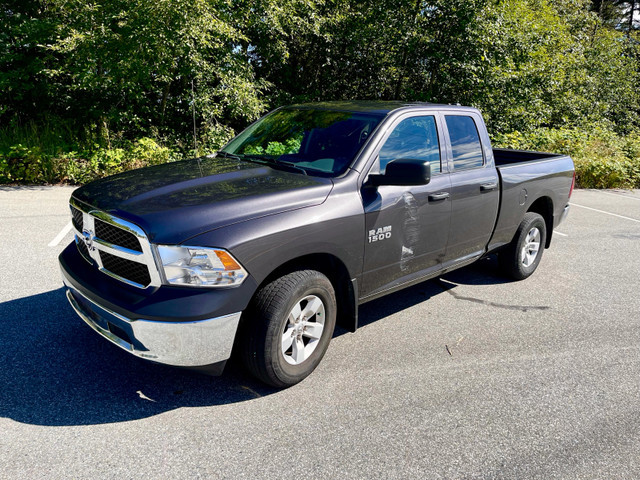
(468, 376)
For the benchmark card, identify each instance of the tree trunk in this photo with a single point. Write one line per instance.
(163, 104)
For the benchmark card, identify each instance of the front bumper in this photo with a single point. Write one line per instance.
(183, 327)
(201, 343)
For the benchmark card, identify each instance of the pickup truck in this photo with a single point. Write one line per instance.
(311, 211)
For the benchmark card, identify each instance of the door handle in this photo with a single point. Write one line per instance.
(435, 197)
(486, 187)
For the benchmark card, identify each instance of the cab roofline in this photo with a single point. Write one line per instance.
(379, 107)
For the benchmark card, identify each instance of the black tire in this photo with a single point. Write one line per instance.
(267, 319)
(513, 262)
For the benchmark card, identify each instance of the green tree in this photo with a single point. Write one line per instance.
(130, 64)
(24, 90)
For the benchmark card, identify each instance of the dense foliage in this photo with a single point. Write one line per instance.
(89, 89)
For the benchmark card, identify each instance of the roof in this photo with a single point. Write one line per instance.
(381, 107)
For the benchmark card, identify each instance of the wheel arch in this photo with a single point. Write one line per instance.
(543, 206)
(336, 271)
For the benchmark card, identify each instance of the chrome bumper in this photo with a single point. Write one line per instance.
(181, 344)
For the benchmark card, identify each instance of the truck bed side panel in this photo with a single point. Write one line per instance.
(523, 184)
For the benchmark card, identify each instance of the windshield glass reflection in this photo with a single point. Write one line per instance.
(318, 142)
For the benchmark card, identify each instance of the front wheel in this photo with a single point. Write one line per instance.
(522, 256)
(288, 327)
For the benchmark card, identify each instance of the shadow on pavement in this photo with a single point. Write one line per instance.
(57, 371)
(482, 272)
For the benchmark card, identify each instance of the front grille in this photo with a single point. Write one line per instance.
(76, 218)
(82, 248)
(114, 246)
(117, 236)
(127, 269)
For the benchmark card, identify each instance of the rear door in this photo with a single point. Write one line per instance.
(475, 187)
(406, 226)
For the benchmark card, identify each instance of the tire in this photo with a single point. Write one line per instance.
(288, 327)
(522, 256)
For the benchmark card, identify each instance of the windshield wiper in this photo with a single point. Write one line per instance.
(224, 154)
(272, 161)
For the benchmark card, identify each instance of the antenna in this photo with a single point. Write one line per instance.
(193, 105)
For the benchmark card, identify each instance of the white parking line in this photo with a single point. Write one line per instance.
(606, 213)
(61, 235)
(621, 195)
(561, 234)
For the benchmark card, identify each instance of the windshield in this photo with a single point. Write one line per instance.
(318, 142)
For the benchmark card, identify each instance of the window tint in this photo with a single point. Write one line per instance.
(415, 138)
(465, 142)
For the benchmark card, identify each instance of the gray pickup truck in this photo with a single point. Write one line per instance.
(311, 211)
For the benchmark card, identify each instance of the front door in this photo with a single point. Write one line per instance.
(407, 227)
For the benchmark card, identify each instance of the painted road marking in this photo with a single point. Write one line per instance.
(61, 235)
(561, 234)
(606, 213)
(621, 195)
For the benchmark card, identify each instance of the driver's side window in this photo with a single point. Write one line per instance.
(415, 138)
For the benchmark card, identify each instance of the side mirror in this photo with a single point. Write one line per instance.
(403, 171)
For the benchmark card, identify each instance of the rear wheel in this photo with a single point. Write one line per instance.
(522, 256)
(288, 327)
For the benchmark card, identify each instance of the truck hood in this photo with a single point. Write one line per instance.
(176, 201)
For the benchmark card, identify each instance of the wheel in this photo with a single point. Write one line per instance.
(288, 327)
(522, 256)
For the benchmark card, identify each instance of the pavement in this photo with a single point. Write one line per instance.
(468, 376)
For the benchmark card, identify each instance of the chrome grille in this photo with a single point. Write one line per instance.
(76, 218)
(84, 251)
(118, 248)
(133, 271)
(116, 236)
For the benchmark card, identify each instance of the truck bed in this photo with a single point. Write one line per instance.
(504, 157)
(528, 175)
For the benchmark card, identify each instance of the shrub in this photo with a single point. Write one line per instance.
(21, 164)
(603, 158)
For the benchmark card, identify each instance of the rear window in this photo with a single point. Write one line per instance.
(465, 142)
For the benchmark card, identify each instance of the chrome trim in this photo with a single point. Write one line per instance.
(122, 279)
(181, 344)
(564, 215)
(118, 222)
(95, 244)
(124, 252)
(121, 251)
(77, 240)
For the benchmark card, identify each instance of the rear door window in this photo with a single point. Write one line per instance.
(465, 142)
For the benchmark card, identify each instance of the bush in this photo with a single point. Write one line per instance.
(32, 155)
(30, 165)
(603, 158)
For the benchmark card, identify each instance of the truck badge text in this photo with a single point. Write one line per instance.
(381, 233)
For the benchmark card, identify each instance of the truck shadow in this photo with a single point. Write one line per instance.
(57, 372)
(482, 272)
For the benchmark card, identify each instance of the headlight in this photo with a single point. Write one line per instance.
(199, 266)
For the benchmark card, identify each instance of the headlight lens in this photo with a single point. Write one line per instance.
(199, 266)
